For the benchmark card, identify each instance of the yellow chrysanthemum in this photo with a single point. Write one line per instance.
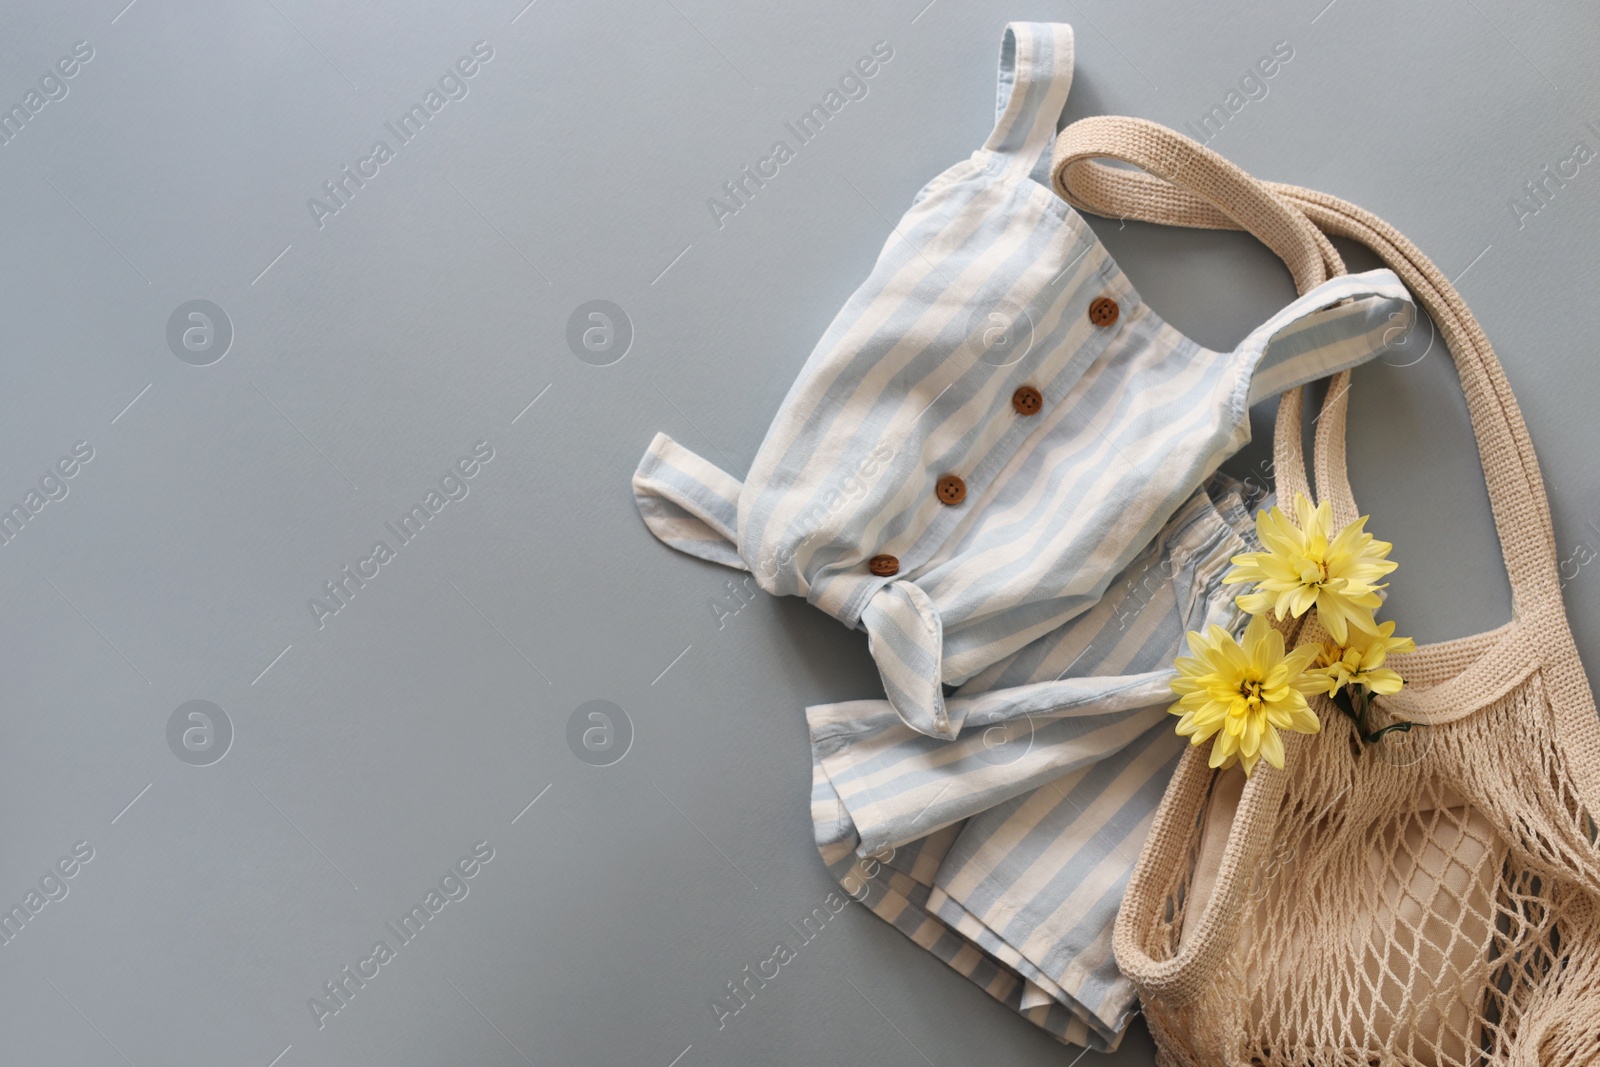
(1302, 567)
(1244, 693)
(1360, 661)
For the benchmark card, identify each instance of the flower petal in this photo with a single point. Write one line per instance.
(1272, 748)
(1254, 603)
(1383, 681)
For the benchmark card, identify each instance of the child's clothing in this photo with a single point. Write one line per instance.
(1005, 852)
(996, 423)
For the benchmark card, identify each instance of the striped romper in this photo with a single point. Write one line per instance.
(991, 431)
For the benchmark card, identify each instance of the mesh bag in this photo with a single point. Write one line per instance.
(1432, 898)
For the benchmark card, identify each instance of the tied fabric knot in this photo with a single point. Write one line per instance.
(906, 638)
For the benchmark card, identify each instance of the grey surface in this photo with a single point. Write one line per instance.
(368, 355)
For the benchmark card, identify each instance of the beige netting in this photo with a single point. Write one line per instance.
(1432, 898)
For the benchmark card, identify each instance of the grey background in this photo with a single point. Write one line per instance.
(368, 755)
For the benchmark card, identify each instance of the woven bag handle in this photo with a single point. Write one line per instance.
(1511, 470)
(1516, 493)
(1213, 189)
(1510, 467)
(1190, 185)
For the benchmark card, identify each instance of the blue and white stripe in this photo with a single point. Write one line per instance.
(1006, 851)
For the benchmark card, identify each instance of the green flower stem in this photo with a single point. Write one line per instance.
(1356, 705)
(1402, 726)
(1341, 700)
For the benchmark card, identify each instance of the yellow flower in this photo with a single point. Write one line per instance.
(1302, 566)
(1360, 661)
(1243, 694)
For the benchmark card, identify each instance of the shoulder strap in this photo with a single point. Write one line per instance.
(1035, 75)
(1340, 324)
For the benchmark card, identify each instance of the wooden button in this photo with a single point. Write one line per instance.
(1103, 311)
(951, 490)
(883, 566)
(1027, 400)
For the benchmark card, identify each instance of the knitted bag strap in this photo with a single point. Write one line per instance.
(1183, 183)
(1511, 471)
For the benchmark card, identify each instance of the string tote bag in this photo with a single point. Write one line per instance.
(1430, 899)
